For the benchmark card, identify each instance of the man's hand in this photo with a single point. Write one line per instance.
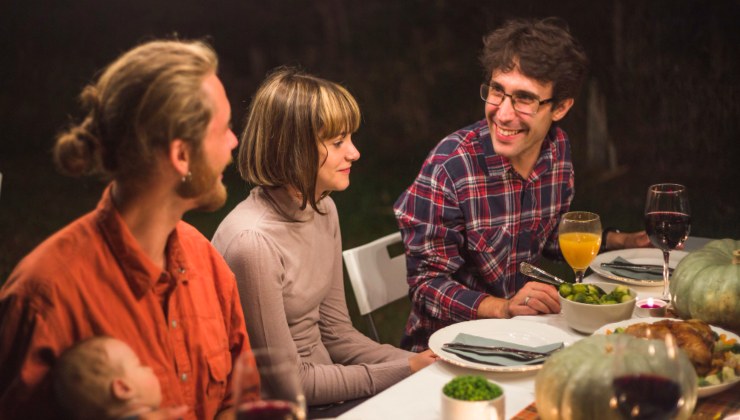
(422, 360)
(532, 299)
(620, 240)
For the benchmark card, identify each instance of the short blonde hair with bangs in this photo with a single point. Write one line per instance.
(289, 117)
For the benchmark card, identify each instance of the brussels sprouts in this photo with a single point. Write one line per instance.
(580, 288)
(592, 294)
(565, 289)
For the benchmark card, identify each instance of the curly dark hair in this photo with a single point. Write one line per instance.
(542, 49)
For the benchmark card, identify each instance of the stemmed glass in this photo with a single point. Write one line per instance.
(651, 378)
(580, 238)
(667, 222)
(266, 386)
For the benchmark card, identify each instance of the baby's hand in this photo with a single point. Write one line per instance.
(166, 413)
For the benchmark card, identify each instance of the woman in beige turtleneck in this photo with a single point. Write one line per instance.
(284, 245)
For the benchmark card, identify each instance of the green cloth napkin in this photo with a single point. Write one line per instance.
(654, 274)
(497, 360)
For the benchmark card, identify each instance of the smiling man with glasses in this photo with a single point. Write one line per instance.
(490, 195)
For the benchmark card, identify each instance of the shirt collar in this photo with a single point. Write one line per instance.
(138, 269)
(548, 154)
(500, 166)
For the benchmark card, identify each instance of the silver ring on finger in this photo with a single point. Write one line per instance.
(526, 301)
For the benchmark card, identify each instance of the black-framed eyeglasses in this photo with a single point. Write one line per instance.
(524, 104)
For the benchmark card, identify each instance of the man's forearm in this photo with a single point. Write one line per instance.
(447, 300)
(493, 307)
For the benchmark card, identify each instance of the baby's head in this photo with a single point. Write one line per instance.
(102, 378)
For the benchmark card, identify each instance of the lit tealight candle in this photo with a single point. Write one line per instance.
(651, 303)
(651, 307)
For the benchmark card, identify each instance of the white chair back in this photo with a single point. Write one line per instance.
(377, 278)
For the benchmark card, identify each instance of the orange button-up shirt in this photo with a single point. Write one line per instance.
(92, 278)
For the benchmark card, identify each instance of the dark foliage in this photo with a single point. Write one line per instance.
(669, 72)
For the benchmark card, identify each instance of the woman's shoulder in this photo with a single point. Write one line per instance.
(246, 219)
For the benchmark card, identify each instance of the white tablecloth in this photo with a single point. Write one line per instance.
(418, 396)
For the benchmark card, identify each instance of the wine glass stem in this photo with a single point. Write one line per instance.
(666, 290)
(579, 275)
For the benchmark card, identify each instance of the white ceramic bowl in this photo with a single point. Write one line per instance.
(588, 317)
(453, 409)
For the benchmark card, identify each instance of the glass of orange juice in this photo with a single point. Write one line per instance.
(580, 238)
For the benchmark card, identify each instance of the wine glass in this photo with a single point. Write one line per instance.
(266, 386)
(580, 238)
(667, 222)
(651, 378)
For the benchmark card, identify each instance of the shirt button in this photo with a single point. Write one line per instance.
(174, 324)
(184, 377)
(182, 270)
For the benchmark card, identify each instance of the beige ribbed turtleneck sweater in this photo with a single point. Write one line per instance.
(288, 266)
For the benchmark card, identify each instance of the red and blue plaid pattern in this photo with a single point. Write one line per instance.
(469, 219)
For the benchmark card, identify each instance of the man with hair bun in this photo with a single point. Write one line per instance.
(157, 126)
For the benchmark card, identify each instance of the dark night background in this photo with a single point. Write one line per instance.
(666, 73)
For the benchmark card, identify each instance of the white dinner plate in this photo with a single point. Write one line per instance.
(527, 333)
(702, 391)
(652, 256)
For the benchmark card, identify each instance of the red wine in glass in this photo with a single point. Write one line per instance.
(667, 223)
(267, 410)
(266, 386)
(646, 396)
(667, 229)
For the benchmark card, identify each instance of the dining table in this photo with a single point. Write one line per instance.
(419, 395)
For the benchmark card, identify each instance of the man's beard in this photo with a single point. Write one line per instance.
(203, 185)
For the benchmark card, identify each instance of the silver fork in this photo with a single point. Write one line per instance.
(539, 274)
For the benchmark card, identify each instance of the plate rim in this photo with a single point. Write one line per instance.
(701, 391)
(450, 358)
(676, 256)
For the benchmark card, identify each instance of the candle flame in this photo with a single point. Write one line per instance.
(650, 302)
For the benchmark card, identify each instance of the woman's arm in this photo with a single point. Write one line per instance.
(259, 269)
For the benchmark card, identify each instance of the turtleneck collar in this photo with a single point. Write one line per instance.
(287, 203)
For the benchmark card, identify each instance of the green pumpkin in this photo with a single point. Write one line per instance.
(576, 382)
(706, 284)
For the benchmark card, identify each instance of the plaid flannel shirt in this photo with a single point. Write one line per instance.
(469, 219)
